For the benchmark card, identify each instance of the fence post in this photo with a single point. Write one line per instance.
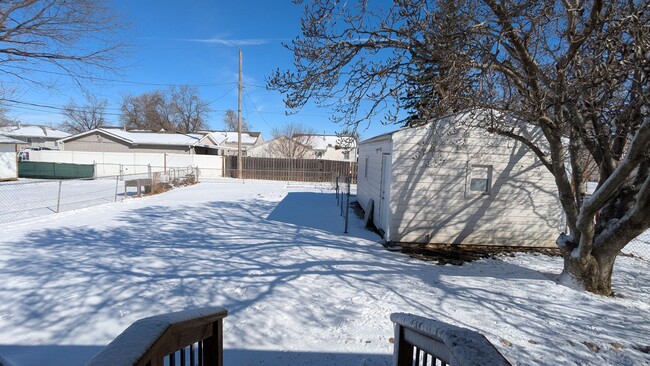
(337, 189)
(58, 200)
(149, 170)
(347, 206)
(117, 183)
(341, 204)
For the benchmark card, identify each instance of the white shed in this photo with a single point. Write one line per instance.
(442, 184)
(8, 158)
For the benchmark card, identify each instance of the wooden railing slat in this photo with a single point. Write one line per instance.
(149, 341)
(450, 344)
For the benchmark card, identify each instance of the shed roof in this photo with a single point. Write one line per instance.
(459, 116)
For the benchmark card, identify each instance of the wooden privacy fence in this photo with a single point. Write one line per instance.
(298, 170)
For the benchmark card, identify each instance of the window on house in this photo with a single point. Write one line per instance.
(480, 178)
(319, 154)
(346, 155)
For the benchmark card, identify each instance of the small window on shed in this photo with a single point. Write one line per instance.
(346, 155)
(480, 179)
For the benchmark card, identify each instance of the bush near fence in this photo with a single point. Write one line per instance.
(297, 170)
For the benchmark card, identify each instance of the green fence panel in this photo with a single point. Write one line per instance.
(45, 170)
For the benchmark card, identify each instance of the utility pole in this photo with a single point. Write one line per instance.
(239, 167)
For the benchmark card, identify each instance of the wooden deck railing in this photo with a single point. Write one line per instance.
(187, 338)
(420, 342)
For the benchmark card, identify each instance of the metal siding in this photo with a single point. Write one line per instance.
(430, 202)
(368, 187)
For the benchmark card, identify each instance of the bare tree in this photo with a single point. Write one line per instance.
(4, 120)
(292, 141)
(178, 109)
(188, 110)
(147, 111)
(577, 70)
(82, 118)
(74, 37)
(230, 122)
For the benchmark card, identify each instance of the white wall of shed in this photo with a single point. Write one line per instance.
(369, 174)
(431, 202)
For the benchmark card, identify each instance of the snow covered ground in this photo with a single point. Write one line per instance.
(298, 290)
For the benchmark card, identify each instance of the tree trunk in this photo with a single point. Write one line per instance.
(593, 272)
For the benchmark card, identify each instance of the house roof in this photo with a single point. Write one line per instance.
(148, 138)
(224, 137)
(9, 140)
(322, 142)
(33, 131)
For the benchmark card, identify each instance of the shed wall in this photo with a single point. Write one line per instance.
(369, 174)
(431, 199)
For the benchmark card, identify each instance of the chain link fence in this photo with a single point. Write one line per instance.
(343, 188)
(29, 198)
(639, 247)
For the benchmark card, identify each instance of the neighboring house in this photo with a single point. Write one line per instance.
(333, 147)
(117, 140)
(8, 158)
(228, 141)
(443, 185)
(283, 148)
(34, 136)
(303, 146)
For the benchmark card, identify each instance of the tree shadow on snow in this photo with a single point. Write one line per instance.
(277, 268)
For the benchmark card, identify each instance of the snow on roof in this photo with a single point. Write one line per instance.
(224, 137)
(9, 140)
(33, 131)
(148, 138)
(156, 138)
(322, 142)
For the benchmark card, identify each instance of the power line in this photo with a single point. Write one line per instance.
(96, 78)
(257, 111)
(54, 109)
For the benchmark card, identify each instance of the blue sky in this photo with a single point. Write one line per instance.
(197, 43)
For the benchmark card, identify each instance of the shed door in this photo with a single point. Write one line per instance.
(384, 192)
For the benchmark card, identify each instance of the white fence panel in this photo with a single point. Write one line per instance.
(111, 163)
(210, 167)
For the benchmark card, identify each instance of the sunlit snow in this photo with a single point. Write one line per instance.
(298, 290)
